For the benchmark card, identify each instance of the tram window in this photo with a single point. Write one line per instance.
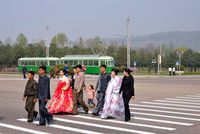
(71, 62)
(96, 63)
(22, 63)
(102, 62)
(52, 63)
(86, 62)
(80, 62)
(108, 63)
(91, 63)
(66, 62)
(26, 63)
(75, 62)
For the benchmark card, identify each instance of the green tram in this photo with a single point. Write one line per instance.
(91, 62)
(34, 63)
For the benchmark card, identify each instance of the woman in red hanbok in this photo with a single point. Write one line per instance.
(62, 100)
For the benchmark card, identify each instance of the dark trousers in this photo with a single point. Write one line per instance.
(100, 102)
(30, 107)
(44, 114)
(126, 106)
(24, 75)
(90, 102)
(170, 73)
(78, 98)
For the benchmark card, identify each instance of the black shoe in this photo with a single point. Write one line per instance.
(29, 121)
(95, 114)
(126, 120)
(110, 117)
(41, 124)
(50, 122)
(86, 111)
(35, 115)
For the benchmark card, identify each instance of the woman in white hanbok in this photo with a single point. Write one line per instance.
(113, 104)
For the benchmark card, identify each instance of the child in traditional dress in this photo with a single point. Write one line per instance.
(91, 94)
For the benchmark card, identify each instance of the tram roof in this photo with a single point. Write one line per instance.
(86, 57)
(38, 58)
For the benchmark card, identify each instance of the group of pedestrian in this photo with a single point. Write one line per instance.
(172, 71)
(112, 93)
(38, 92)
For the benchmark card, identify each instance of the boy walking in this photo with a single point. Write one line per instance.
(30, 95)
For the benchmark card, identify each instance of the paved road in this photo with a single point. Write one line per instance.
(164, 105)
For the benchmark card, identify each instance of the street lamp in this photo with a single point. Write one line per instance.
(47, 45)
(179, 53)
(128, 43)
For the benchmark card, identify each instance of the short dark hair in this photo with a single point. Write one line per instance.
(127, 70)
(79, 66)
(104, 66)
(115, 71)
(31, 72)
(43, 67)
(92, 86)
(64, 71)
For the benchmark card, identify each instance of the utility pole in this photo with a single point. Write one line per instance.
(159, 60)
(128, 42)
(47, 45)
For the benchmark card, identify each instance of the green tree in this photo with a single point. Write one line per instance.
(22, 40)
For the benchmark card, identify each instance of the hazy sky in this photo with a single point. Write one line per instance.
(89, 18)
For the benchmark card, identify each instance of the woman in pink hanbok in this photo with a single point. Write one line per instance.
(62, 100)
(113, 104)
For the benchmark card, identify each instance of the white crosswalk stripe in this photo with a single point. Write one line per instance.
(191, 98)
(195, 96)
(166, 116)
(22, 129)
(169, 112)
(162, 107)
(163, 121)
(167, 104)
(184, 100)
(66, 128)
(103, 126)
(126, 123)
(179, 102)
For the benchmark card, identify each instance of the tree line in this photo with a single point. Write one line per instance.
(60, 46)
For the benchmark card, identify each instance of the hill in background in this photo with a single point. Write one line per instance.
(189, 39)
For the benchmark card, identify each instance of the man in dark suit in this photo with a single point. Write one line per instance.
(43, 96)
(101, 87)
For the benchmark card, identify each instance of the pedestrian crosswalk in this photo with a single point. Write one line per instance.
(22, 129)
(158, 116)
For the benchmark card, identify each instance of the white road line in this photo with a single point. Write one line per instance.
(166, 116)
(22, 129)
(187, 100)
(170, 112)
(179, 102)
(192, 98)
(162, 121)
(126, 123)
(166, 104)
(103, 126)
(66, 128)
(173, 108)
